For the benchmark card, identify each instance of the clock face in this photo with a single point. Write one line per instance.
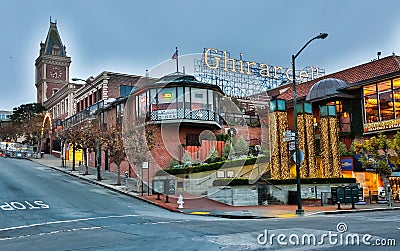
(55, 72)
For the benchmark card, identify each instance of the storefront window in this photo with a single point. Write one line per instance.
(396, 97)
(371, 104)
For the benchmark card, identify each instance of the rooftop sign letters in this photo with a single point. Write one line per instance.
(214, 59)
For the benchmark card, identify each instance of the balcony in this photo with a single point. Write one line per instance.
(89, 112)
(185, 115)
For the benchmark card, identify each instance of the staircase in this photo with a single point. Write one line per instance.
(273, 200)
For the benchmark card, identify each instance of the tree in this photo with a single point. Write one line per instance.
(73, 137)
(396, 148)
(213, 156)
(27, 121)
(227, 151)
(241, 147)
(112, 140)
(87, 141)
(187, 159)
(375, 153)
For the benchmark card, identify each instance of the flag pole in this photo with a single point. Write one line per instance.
(177, 65)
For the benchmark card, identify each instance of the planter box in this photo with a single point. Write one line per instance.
(311, 202)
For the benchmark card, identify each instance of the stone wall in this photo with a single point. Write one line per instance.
(281, 192)
(235, 195)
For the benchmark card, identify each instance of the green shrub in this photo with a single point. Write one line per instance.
(174, 162)
(216, 165)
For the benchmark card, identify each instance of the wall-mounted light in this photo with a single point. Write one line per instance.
(304, 108)
(327, 110)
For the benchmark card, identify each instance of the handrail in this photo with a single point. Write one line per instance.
(209, 178)
(271, 183)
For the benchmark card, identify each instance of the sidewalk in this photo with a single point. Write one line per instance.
(196, 205)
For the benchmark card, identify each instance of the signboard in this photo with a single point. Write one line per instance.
(301, 156)
(288, 139)
(384, 125)
(145, 165)
(158, 186)
(292, 146)
(242, 78)
(167, 114)
(169, 187)
(214, 60)
(288, 133)
(347, 163)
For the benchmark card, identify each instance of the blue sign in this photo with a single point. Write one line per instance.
(347, 164)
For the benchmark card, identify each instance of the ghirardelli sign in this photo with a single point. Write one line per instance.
(215, 59)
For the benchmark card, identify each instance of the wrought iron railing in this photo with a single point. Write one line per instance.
(89, 112)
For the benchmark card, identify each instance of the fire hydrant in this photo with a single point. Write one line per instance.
(180, 201)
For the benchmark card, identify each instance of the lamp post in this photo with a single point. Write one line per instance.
(296, 140)
(98, 143)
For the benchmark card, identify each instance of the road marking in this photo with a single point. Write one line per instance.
(200, 213)
(68, 221)
(286, 215)
(49, 233)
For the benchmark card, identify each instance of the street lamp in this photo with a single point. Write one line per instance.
(98, 143)
(296, 140)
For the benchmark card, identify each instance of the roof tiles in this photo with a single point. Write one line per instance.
(354, 75)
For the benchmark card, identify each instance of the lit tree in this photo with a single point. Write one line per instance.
(396, 148)
(375, 153)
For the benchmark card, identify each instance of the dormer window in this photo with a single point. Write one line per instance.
(55, 50)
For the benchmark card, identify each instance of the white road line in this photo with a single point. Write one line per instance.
(49, 233)
(68, 221)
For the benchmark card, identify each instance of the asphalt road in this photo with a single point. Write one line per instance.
(43, 209)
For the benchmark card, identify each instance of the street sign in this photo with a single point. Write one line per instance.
(292, 146)
(301, 156)
(288, 139)
(288, 133)
(145, 165)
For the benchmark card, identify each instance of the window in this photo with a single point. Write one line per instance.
(66, 105)
(371, 104)
(382, 101)
(125, 90)
(120, 113)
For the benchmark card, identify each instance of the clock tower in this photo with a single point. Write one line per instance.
(52, 65)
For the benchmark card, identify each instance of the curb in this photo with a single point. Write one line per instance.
(212, 214)
(99, 183)
(360, 210)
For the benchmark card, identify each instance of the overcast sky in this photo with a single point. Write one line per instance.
(132, 36)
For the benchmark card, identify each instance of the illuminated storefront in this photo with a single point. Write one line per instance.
(367, 101)
(382, 105)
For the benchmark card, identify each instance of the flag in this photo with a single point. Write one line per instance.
(175, 56)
